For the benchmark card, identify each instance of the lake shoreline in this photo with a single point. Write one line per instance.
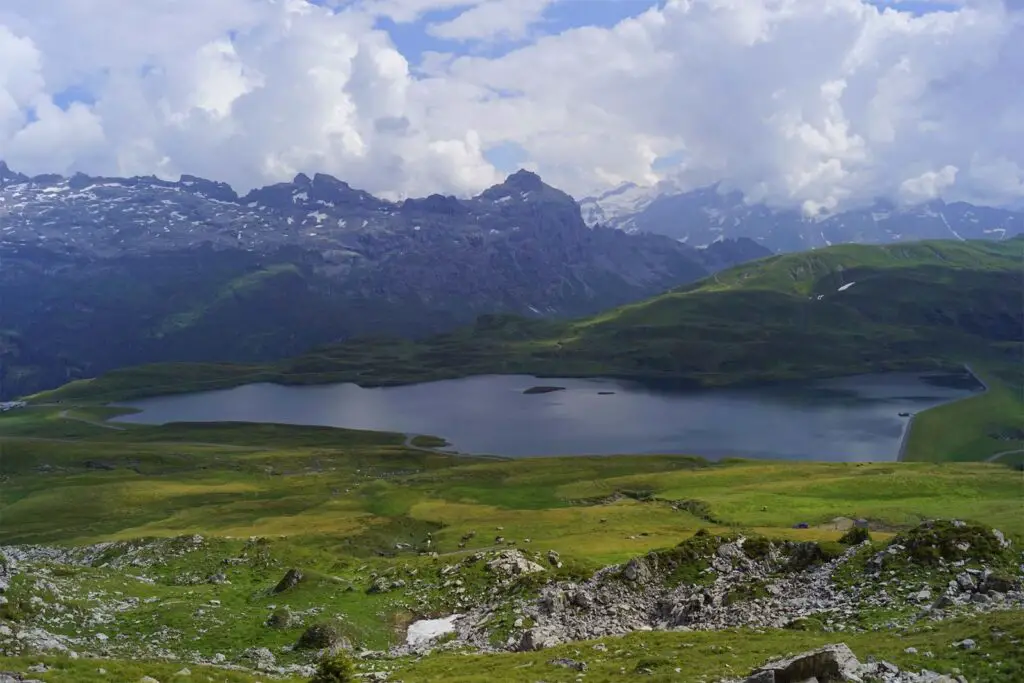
(850, 419)
(905, 438)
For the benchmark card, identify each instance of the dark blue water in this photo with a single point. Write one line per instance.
(849, 419)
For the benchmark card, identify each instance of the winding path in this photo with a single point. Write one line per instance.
(994, 458)
(105, 425)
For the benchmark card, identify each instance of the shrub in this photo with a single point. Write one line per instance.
(809, 554)
(280, 618)
(336, 668)
(855, 536)
(757, 547)
(943, 540)
(317, 637)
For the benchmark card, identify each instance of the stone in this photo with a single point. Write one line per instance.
(259, 658)
(923, 596)
(966, 582)
(513, 563)
(148, 679)
(830, 663)
(536, 639)
(636, 570)
(218, 578)
(966, 644)
(554, 558)
(569, 664)
(317, 637)
(290, 579)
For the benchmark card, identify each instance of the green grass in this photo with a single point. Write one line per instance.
(974, 428)
(65, 670)
(710, 656)
(343, 505)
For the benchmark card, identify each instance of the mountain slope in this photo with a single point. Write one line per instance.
(835, 311)
(98, 273)
(701, 216)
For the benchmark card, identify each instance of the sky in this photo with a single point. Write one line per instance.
(821, 104)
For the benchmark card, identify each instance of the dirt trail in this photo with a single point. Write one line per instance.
(105, 425)
(995, 457)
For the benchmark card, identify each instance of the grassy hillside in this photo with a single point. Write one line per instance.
(344, 507)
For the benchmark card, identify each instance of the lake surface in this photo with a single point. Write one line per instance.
(849, 419)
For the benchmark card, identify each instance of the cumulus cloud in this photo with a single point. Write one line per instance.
(813, 103)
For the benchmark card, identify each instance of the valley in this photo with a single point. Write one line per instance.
(769, 457)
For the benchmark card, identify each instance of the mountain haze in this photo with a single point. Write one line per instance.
(702, 216)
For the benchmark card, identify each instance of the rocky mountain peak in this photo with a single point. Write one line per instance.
(436, 204)
(208, 188)
(9, 177)
(526, 181)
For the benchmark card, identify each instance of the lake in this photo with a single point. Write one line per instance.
(847, 419)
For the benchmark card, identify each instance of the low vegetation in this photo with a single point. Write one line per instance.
(358, 516)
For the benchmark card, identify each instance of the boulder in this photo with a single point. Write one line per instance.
(291, 579)
(636, 570)
(512, 563)
(317, 637)
(259, 658)
(569, 664)
(536, 639)
(830, 664)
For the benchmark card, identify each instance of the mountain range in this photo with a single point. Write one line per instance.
(97, 272)
(841, 310)
(702, 216)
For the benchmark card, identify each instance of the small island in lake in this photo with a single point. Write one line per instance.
(542, 390)
(605, 393)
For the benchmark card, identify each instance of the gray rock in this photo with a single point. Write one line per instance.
(259, 658)
(536, 639)
(966, 644)
(569, 664)
(830, 663)
(510, 563)
(966, 582)
(636, 570)
(291, 579)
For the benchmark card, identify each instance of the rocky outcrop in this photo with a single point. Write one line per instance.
(837, 664)
(711, 583)
(510, 563)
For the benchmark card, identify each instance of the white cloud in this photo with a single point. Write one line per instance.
(493, 19)
(814, 103)
(927, 186)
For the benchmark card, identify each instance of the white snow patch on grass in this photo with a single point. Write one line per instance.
(425, 630)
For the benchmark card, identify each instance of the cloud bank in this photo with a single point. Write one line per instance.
(813, 103)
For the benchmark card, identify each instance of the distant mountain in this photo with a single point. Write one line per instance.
(701, 216)
(97, 273)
